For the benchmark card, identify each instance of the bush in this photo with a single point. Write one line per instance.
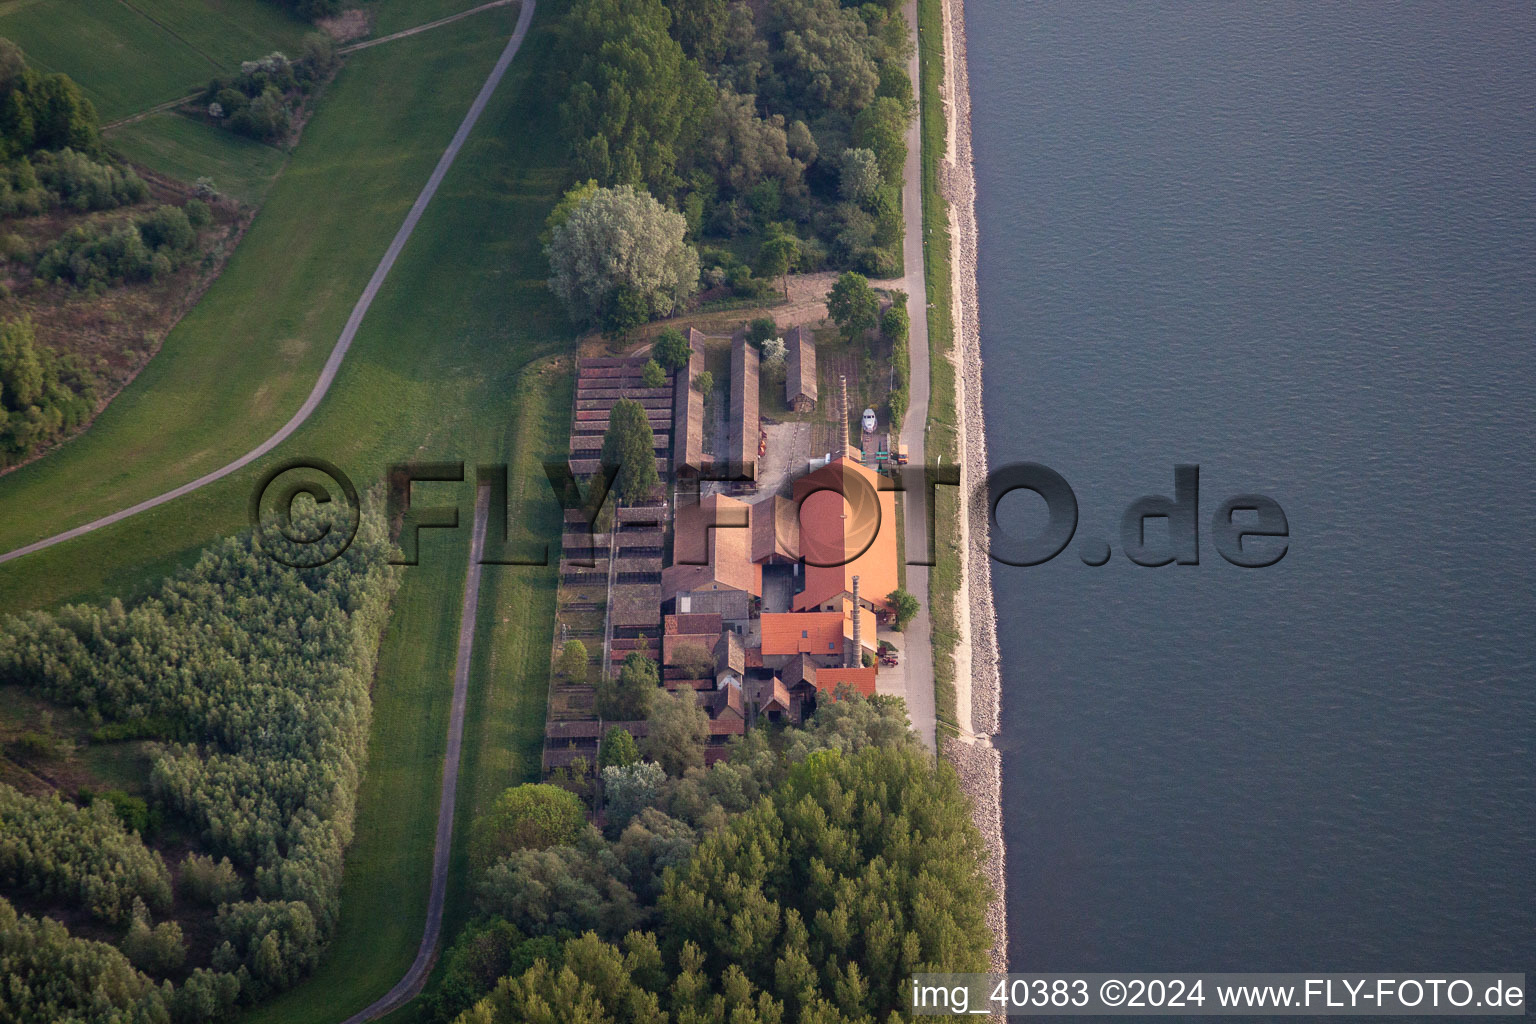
(198, 214)
(652, 375)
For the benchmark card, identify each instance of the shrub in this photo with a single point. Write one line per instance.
(84, 184)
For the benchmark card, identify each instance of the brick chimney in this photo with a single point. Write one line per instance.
(840, 450)
(856, 660)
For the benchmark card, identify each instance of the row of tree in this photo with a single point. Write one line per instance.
(806, 877)
(258, 675)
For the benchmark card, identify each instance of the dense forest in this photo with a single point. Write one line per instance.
(805, 877)
(776, 130)
(255, 677)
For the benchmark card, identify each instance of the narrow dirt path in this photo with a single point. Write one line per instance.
(410, 986)
(440, 22)
(344, 341)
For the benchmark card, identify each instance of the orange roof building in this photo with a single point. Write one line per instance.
(861, 679)
(791, 633)
(847, 529)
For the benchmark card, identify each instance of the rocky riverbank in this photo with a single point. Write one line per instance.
(977, 682)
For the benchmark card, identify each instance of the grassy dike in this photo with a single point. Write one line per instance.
(942, 437)
(238, 365)
(462, 357)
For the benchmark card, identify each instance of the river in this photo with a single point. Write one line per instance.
(1294, 244)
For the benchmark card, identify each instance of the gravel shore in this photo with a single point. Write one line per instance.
(977, 682)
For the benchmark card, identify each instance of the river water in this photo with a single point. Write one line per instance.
(1294, 244)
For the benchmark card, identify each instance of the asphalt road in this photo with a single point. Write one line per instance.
(344, 341)
(408, 987)
(919, 634)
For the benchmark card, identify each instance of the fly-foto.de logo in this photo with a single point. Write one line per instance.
(1248, 530)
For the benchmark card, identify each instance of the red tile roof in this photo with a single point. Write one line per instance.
(861, 679)
(802, 633)
(847, 529)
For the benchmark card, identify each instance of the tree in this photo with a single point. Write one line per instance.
(533, 816)
(860, 179)
(621, 254)
(671, 349)
(679, 728)
(652, 375)
(628, 790)
(704, 382)
(618, 749)
(828, 894)
(695, 661)
(853, 306)
(212, 884)
(881, 128)
(903, 606)
(894, 322)
(634, 101)
(574, 197)
(761, 329)
(573, 660)
(825, 56)
(154, 950)
(777, 255)
(629, 446)
(742, 150)
(775, 356)
(628, 698)
(569, 888)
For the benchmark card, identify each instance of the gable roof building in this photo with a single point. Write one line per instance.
(712, 549)
(745, 428)
(800, 364)
(688, 412)
(775, 531)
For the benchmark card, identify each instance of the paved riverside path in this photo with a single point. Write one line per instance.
(344, 341)
(918, 639)
(409, 987)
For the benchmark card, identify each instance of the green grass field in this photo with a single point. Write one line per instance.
(129, 55)
(122, 59)
(393, 17)
(241, 362)
(228, 31)
(942, 439)
(182, 148)
(455, 361)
